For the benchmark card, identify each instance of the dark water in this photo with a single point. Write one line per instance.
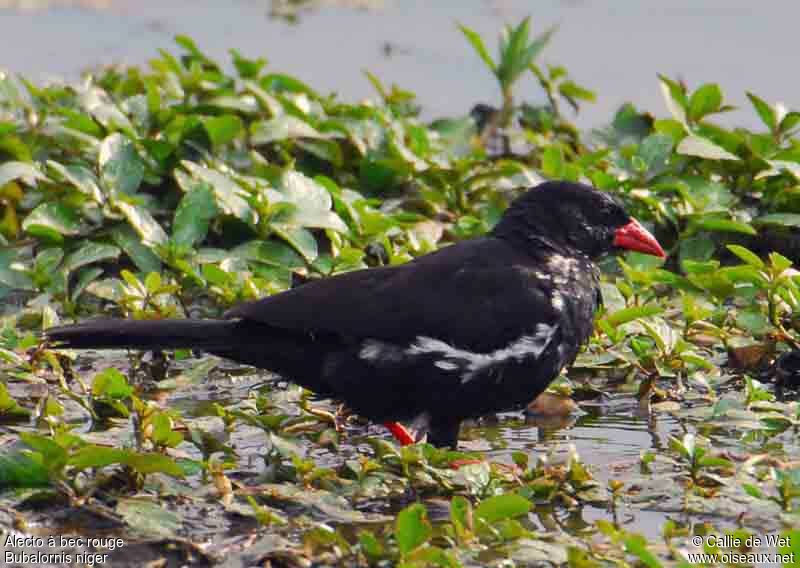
(615, 47)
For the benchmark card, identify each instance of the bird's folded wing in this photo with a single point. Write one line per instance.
(469, 294)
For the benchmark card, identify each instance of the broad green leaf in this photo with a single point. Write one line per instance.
(636, 545)
(102, 108)
(747, 256)
(501, 507)
(765, 112)
(19, 470)
(143, 223)
(284, 127)
(129, 241)
(312, 204)
(112, 384)
(222, 129)
(633, 313)
(655, 150)
(301, 240)
(55, 457)
(707, 99)
(10, 276)
(694, 145)
(192, 217)
(723, 226)
(28, 173)
(89, 253)
(271, 252)
(230, 196)
(52, 220)
(81, 178)
(675, 98)
(780, 219)
(121, 168)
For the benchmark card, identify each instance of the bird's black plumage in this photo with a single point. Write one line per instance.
(477, 327)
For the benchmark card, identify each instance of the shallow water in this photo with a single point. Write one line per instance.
(615, 48)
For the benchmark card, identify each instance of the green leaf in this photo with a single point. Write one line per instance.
(222, 129)
(285, 127)
(723, 226)
(747, 256)
(8, 406)
(143, 223)
(97, 456)
(675, 98)
(789, 121)
(193, 215)
(765, 112)
(700, 147)
(705, 100)
(553, 162)
(654, 151)
(52, 221)
(121, 168)
(301, 240)
(230, 196)
(480, 48)
(790, 548)
(501, 507)
(10, 275)
(98, 103)
(129, 241)
(270, 252)
(28, 173)
(112, 384)
(779, 219)
(247, 68)
(636, 545)
(89, 253)
(19, 470)
(54, 456)
(81, 178)
(572, 90)
(633, 313)
(412, 528)
(312, 204)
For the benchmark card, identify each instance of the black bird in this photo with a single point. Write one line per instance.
(474, 328)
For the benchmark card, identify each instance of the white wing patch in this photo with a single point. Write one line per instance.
(471, 363)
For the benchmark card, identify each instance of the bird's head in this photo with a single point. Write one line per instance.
(574, 218)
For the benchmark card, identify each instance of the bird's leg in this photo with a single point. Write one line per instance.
(400, 433)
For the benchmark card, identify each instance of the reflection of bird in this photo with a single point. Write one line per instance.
(477, 327)
(787, 369)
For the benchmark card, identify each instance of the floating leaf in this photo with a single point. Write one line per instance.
(412, 528)
(501, 507)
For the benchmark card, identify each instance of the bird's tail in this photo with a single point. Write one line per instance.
(145, 334)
